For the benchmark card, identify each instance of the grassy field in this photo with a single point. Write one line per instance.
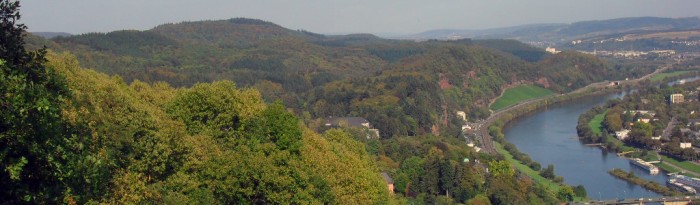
(684, 164)
(667, 167)
(596, 124)
(518, 94)
(661, 76)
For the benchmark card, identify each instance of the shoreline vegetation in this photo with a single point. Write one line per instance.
(521, 161)
(525, 107)
(649, 185)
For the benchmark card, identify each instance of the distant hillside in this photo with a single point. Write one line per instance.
(403, 87)
(555, 33)
(49, 35)
(517, 48)
(480, 33)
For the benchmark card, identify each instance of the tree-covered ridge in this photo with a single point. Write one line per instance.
(217, 144)
(340, 75)
(76, 136)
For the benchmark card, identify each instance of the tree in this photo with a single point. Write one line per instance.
(548, 172)
(498, 168)
(613, 121)
(446, 180)
(565, 194)
(276, 125)
(467, 183)
(580, 191)
(31, 130)
(431, 179)
(479, 200)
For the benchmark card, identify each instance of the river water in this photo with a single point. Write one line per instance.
(549, 137)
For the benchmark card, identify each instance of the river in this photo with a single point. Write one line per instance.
(549, 137)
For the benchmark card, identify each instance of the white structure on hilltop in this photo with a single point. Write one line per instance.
(551, 50)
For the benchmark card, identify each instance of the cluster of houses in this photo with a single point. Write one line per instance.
(469, 131)
(648, 116)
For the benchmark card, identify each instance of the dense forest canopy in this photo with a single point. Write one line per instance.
(319, 76)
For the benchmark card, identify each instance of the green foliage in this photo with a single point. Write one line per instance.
(276, 125)
(479, 200)
(218, 107)
(209, 144)
(662, 76)
(613, 121)
(338, 75)
(566, 194)
(498, 168)
(346, 167)
(649, 185)
(580, 191)
(31, 130)
(521, 50)
(548, 172)
(596, 124)
(213, 143)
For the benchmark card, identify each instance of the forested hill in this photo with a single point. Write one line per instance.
(403, 87)
(564, 33)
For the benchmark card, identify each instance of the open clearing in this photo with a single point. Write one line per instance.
(518, 94)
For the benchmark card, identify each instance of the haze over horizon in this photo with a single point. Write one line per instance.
(337, 17)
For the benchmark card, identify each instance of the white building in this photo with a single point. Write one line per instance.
(463, 115)
(622, 134)
(677, 98)
(644, 120)
(466, 127)
(686, 145)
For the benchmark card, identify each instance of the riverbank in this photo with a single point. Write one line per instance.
(508, 114)
(649, 185)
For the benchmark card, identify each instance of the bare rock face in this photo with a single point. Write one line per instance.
(444, 82)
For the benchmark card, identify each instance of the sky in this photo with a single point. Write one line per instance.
(338, 16)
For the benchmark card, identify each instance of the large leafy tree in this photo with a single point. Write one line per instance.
(31, 130)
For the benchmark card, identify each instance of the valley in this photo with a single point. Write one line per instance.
(248, 111)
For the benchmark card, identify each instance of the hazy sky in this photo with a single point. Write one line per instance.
(335, 16)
